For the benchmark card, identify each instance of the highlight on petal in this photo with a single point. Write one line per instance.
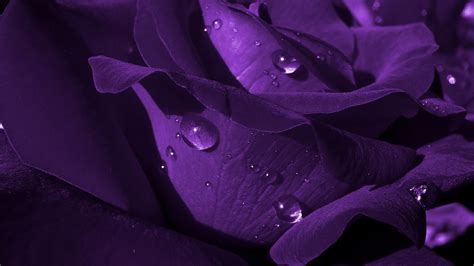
(48, 222)
(55, 119)
(447, 165)
(264, 60)
(252, 163)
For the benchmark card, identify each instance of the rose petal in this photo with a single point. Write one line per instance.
(162, 26)
(55, 119)
(225, 188)
(411, 255)
(47, 222)
(447, 164)
(247, 45)
(316, 18)
(396, 57)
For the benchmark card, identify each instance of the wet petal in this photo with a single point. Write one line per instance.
(258, 161)
(250, 47)
(64, 128)
(447, 164)
(80, 229)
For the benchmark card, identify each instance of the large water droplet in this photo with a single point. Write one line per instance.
(198, 132)
(217, 24)
(271, 177)
(285, 62)
(288, 209)
(171, 153)
(418, 192)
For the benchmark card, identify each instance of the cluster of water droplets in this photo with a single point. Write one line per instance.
(376, 8)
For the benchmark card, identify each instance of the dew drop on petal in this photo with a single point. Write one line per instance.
(198, 132)
(207, 29)
(217, 24)
(208, 184)
(285, 62)
(271, 177)
(378, 20)
(163, 168)
(171, 153)
(258, 43)
(275, 83)
(320, 58)
(418, 192)
(1, 126)
(288, 209)
(178, 136)
(451, 79)
(376, 5)
(424, 12)
(235, 30)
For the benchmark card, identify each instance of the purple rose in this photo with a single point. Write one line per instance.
(227, 132)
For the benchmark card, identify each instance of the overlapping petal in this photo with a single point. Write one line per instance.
(447, 165)
(54, 118)
(312, 162)
(47, 222)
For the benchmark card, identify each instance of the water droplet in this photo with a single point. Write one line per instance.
(235, 30)
(1, 126)
(217, 24)
(178, 135)
(306, 180)
(376, 5)
(288, 209)
(320, 58)
(271, 177)
(451, 79)
(255, 237)
(134, 251)
(265, 72)
(163, 167)
(207, 29)
(171, 153)
(273, 76)
(198, 132)
(258, 43)
(418, 193)
(378, 20)
(277, 225)
(254, 167)
(275, 83)
(176, 120)
(208, 184)
(424, 12)
(285, 62)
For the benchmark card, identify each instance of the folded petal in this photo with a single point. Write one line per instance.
(47, 222)
(262, 59)
(447, 165)
(317, 18)
(162, 35)
(56, 120)
(230, 177)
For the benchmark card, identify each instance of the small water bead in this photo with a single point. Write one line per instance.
(273, 76)
(376, 5)
(285, 62)
(378, 20)
(424, 12)
(178, 136)
(235, 30)
(271, 177)
(277, 225)
(207, 29)
(208, 184)
(288, 209)
(275, 83)
(320, 58)
(171, 153)
(451, 79)
(176, 120)
(217, 24)
(418, 192)
(163, 169)
(306, 180)
(198, 132)
(258, 43)
(1, 126)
